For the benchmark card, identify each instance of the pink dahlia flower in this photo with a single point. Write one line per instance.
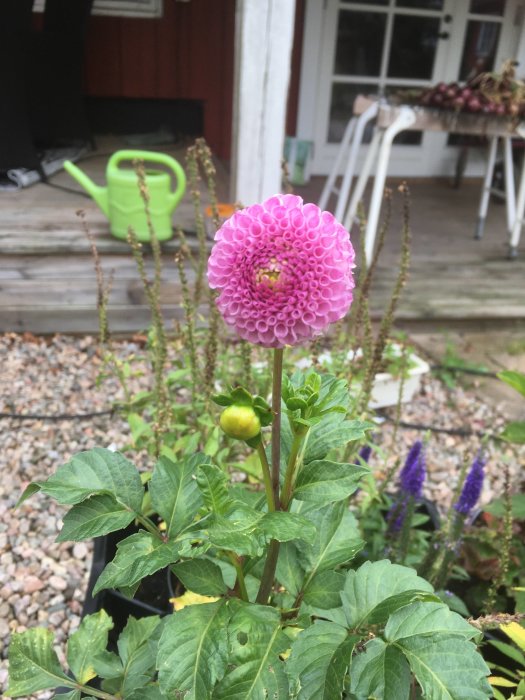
(283, 270)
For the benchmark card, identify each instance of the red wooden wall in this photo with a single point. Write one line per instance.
(186, 54)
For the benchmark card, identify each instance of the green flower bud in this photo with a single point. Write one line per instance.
(240, 422)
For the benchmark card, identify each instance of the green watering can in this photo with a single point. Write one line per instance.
(121, 200)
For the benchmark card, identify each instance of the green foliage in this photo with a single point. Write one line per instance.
(175, 495)
(322, 482)
(86, 644)
(452, 363)
(33, 663)
(376, 590)
(193, 650)
(137, 556)
(331, 630)
(318, 661)
(255, 641)
(516, 380)
(510, 679)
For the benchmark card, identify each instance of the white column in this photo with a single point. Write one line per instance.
(263, 47)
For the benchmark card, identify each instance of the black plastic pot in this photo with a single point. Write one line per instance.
(152, 597)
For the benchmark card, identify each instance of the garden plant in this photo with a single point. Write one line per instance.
(279, 603)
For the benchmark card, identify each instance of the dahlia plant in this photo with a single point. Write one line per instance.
(274, 607)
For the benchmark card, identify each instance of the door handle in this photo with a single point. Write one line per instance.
(443, 35)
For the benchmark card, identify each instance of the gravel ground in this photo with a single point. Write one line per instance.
(43, 583)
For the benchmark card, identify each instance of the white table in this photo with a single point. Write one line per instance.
(391, 120)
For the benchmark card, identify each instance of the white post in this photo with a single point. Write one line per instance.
(263, 47)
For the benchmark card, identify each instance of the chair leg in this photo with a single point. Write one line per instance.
(405, 119)
(362, 180)
(510, 187)
(485, 192)
(518, 220)
(330, 181)
(367, 116)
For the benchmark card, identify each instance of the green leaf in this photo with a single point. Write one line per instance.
(237, 533)
(213, 484)
(514, 379)
(149, 692)
(201, 576)
(107, 665)
(514, 432)
(93, 472)
(336, 542)
(447, 668)
(285, 527)
(33, 663)
(193, 650)
(246, 531)
(499, 508)
(380, 671)
(28, 492)
(174, 492)
(319, 660)
(324, 590)
(375, 590)
(138, 652)
(137, 556)
(332, 432)
(95, 516)
(419, 619)
(511, 651)
(90, 639)
(454, 602)
(72, 695)
(289, 572)
(256, 640)
(324, 482)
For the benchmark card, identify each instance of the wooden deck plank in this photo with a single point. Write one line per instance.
(47, 281)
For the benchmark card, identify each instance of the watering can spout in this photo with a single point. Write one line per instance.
(99, 194)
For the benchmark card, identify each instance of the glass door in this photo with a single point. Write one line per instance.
(382, 47)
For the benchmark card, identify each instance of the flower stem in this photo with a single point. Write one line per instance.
(286, 494)
(267, 477)
(240, 584)
(276, 425)
(89, 690)
(268, 573)
(149, 525)
(273, 548)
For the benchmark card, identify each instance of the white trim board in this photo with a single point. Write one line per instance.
(119, 8)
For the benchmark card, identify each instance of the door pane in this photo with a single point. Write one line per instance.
(359, 43)
(414, 43)
(479, 50)
(341, 108)
(421, 4)
(487, 7)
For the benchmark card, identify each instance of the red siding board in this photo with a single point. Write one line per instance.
(187, 54)
(103, 72)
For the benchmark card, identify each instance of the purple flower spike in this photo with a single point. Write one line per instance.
(471, 490)
(365, 452)
(413, 473)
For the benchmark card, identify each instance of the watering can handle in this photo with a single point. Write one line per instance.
(154, 157)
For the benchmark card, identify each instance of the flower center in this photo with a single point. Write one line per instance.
(269, 275)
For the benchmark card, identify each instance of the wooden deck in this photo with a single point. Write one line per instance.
(47, 282)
